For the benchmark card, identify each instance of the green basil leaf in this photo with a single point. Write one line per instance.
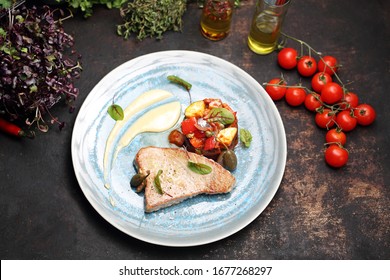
(245, 137)
(116, 112)
(200, 168)
(157, 182)
(221, 115)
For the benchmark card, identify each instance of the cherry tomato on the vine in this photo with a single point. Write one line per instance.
(313, 101)
(346, 121)
(307, 66)
(330, 63)
(336, 156)
(319, 80)
(276, 88)
(336, 109)
(325, 119)
(349, 101)
(295, 96)
(365, 114)
(287, 58)
(331, 93)
(335, 135)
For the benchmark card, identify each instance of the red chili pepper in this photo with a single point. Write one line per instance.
(14, 130)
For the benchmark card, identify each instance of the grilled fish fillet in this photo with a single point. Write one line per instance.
(177, 181)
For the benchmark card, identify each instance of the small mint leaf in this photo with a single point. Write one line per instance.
(200, 168)
(245, 137)
(116, 112)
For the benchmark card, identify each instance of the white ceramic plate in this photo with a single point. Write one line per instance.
(198, 220)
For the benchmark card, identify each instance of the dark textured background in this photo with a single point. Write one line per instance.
(317, 213)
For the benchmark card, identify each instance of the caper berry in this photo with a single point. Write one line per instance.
(137, 180)
(220, 157)
(228, 160)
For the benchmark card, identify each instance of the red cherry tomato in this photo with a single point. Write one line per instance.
(327, 63)
(313, 101)
(335, 135)
(319, 80)
(331, 93)
(276, 88)
(197, 143)
(325, 119)
(199, 134)
(349, 101)
(188, 126)
(336, 156)
(346, 121)
(210, 143)
(295, 96)
(365, 114)
(307, 66)
(287, 58)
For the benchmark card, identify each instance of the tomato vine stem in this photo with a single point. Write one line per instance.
(319, 54)
(334, 107)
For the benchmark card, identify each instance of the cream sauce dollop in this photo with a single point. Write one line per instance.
(158, 119)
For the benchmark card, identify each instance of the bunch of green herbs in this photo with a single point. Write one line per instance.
(86, 6)
(151, 18)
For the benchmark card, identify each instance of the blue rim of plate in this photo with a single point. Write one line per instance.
(202, 219)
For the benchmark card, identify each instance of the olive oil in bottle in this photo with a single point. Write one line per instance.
(266, 25)
(216, 19)
(264, 33)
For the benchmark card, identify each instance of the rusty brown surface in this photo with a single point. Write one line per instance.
(317, 213)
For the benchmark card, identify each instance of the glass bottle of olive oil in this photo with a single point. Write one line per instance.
(216, 19)
(266, 25)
